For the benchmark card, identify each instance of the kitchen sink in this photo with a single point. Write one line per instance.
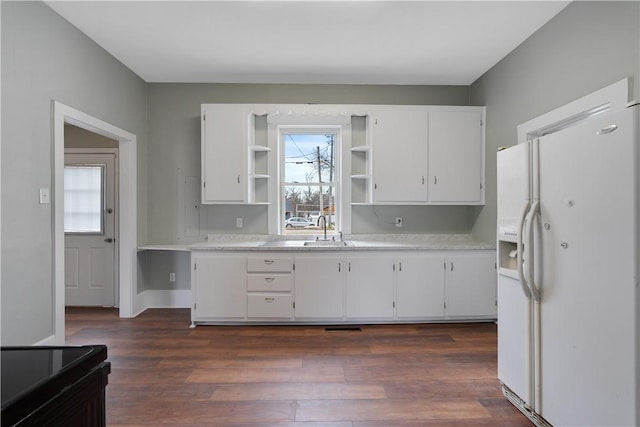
(327, 243)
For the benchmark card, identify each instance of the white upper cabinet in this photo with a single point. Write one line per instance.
(224, 139)
(399, 156)
(428, 155)
(456, 153)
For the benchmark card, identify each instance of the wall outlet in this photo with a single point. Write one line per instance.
(238, 222)
(398, 222)
(172, 277)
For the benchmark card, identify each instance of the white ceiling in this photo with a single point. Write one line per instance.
(332, 42)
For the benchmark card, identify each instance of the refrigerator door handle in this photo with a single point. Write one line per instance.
(523, 280)
(531, 261)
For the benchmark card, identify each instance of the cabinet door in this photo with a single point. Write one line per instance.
(400, 156)
(224, 139)
(455, 156)
(219, 286)
(470, 285)
(369, 287)
(420, 286)
(319, 291)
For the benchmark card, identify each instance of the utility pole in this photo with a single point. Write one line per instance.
(331, 202)
(320, 180)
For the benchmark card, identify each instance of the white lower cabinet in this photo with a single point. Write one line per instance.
(420, 286)
(343, 286)
(269, 306)
(319, 287)
(470, 285)
(369, 287)
(219, 284)
(269, 279)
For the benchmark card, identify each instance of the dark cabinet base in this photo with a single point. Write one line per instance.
(73, 396)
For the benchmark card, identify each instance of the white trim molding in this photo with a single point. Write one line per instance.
(127, 236)
(608, 99)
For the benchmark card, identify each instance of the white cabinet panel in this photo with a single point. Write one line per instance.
(369, 287)
(319, 287)
(269, 262)
(224, 139)
(271, 306)
(400, 156)
(269, 282)
(455, 156)
(420, 286)
(219, 286)
(471, 285)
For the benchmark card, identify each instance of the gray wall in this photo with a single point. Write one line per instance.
(174, 145)
(174, 153)
(44, 58)
(587, 46)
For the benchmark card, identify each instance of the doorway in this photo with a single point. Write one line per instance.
(127, 213)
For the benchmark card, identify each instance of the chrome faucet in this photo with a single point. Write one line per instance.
(324, 223)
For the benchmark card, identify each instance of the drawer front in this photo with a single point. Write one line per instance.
(269, 282)
(267, 263)
(270, 306)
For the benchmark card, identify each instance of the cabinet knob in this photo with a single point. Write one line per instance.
(109, 240)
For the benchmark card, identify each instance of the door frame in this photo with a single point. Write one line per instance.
(116, 208)
(127, 214)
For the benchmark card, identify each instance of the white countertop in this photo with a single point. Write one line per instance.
(360, 242)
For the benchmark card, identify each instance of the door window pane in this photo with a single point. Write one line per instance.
(83, 199)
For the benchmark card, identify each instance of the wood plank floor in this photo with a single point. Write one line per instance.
(164, 373)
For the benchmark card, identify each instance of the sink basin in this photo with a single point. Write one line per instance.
(306, 243)
(326, 243)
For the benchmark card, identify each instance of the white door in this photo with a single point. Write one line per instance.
(455, 156)
(589, 283)
(369, 287)
(90, 229)
(400, 156)
(420, 286)
(470, 285)
(318, 287)
(219, 286)
(514, 308)
(224, 138)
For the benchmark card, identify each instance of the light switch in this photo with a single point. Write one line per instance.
(44, 196)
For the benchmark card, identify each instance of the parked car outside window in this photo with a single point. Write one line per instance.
(297, 222)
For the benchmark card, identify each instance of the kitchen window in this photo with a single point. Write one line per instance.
(309, 189)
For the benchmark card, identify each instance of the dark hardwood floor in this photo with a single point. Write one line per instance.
(164, 373)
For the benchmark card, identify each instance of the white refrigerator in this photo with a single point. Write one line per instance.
(568, 283)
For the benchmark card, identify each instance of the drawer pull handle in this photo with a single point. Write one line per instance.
(269, 279)
(268, 261)
(269, 299)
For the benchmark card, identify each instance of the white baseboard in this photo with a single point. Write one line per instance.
(50, 340)
(162, 299)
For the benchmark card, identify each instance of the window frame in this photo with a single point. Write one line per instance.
(336, 183)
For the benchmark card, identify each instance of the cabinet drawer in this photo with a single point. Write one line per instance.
(267, 263)
(269, 282)
(270, 305)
